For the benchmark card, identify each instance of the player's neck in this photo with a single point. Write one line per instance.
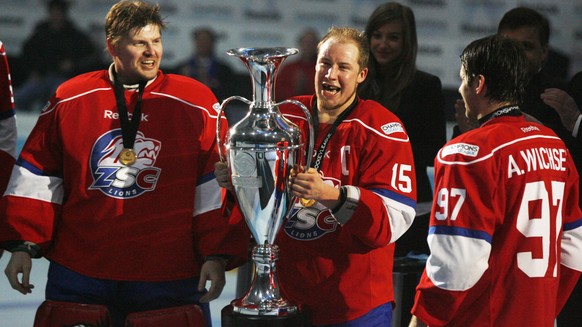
(492, 107)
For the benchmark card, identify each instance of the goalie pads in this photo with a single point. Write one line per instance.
(68, 314)
(182, 316)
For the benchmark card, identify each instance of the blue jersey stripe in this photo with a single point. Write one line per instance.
(459, 231)
(573, 225)
(395, 196)
(7, 114)
(28, 166)
(205, 178)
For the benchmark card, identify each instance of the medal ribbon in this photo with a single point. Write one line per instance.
(128, 128)
(503, 111)
(323, 146)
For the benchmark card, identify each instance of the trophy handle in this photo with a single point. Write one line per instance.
(311, 129)
(219, 123)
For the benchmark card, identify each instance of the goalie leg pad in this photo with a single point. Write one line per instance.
(58, 314)
(182, 316)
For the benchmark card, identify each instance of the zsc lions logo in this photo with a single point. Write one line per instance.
(310, 223)
(116, 180)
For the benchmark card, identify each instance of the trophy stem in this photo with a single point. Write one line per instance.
(264, 296)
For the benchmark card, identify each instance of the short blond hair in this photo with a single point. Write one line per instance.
(349, 35)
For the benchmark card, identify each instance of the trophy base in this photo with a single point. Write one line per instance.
(230, 318)
(276, 307)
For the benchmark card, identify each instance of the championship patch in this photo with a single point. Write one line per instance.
(392, 128)
(470, 150)
(309, 223)
(119, 181)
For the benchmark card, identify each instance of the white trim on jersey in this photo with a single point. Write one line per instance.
(571, 242)
(8, 136)
(461, 271)
(185, 102)
(398, 139)
(24, 183)
(49, 109)
(490, 154)
(208, 197)
(401, 216)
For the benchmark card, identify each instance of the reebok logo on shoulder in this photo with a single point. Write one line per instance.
(392, 128)
(470, 150)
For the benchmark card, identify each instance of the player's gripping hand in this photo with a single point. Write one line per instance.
(222, 174)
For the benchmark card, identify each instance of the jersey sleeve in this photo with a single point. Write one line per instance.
(386, 191)
(215, 233)
(571, 242)
(34, 194)
(459, 239)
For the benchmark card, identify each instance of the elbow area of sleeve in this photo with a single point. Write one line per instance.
(456, 263)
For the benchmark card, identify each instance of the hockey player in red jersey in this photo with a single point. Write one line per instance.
(505, 230)
(336, 255)
(115, 184)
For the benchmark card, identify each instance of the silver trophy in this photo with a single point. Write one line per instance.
(261, 150)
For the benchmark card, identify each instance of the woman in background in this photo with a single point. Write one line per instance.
(414, 96)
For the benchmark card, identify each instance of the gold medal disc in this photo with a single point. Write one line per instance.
(127, 157)
(307, 202)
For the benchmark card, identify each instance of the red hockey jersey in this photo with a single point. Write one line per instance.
(342, 271)
(504, 224)
(152, 221)
(7, 122)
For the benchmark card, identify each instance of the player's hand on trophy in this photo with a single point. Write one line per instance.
(222, 174)
(309, 185)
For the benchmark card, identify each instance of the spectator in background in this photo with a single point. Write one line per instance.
(297, 75)
(532, 30)
(204, 66)
(413, 95)
(567, 104)
(51, 55)
(7, 123)
(557, 65)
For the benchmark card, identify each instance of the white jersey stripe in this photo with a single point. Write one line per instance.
(23, 183)
(489, 155)
(470, 261)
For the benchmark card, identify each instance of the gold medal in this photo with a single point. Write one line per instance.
(127, 157)
(307, 202)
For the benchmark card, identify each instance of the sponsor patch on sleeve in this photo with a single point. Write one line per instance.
(470, 150)
(392, 128)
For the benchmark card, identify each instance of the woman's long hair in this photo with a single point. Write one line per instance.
(387, 89)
